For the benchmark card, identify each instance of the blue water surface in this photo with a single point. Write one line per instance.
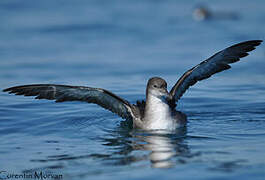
(118, 45)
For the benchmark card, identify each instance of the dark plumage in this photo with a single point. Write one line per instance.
(156, 88)
(217, 63)
(61, 93)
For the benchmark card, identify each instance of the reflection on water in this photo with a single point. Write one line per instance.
(124, 147)
(162, 147)
(156, 147)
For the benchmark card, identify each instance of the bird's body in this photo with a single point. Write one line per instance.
(158, 112)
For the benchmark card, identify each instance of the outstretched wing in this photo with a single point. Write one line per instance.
(62, 93)
(217, 63)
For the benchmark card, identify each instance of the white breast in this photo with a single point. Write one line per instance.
(158, 115)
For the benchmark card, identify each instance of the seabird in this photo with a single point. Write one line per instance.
(202, 12)
(158, 111)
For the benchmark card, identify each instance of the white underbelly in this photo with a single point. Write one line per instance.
(162, 124)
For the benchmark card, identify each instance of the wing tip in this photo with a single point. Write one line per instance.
(257, 42)
(9, 90)
(251, 43)
(13, 89)
(6, 90)
(254, 43)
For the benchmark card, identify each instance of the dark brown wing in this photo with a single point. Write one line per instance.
(217, 63)
(61, 93)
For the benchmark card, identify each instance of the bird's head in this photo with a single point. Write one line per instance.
(157, 87)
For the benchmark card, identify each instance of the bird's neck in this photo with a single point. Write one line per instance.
(156, 109)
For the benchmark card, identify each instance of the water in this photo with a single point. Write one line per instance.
(118, 45)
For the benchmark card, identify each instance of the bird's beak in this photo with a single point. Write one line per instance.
(169, 97)
(166, 95)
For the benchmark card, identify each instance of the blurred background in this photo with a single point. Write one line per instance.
(118, 45)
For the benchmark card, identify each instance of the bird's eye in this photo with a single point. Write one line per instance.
(155, 86)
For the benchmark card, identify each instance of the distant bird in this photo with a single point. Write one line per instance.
(158, 111)
(202, 12)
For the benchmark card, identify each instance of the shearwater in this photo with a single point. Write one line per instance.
(158, 111)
